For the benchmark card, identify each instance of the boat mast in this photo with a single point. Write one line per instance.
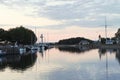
(105, 28)
(106, 53)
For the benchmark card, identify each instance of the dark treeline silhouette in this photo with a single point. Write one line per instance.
(72, 41)
(20, 35)
(117, 34)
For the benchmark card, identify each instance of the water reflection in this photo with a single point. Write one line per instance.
(102, 52)
(82, 49)
(18, 62)
(61, 64)
(75, 49)
(42, 52)
(118, 55)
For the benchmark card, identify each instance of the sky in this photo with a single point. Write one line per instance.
(61, 19)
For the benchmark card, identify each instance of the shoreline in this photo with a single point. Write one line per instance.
(113, 46)
(103, 46)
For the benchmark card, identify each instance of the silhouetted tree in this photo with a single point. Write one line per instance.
(72, 41)
(118, 33)
(20, 34)
(2, 32)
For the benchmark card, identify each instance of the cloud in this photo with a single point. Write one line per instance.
(64, 11)
(24, 6)
(84, 13)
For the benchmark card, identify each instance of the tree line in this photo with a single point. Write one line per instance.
(73, 41)
(21, 35)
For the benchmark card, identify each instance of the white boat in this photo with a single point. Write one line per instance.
(22, 50)
(2, 52)
(34, 48)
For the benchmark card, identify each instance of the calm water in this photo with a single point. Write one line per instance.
(63, 64)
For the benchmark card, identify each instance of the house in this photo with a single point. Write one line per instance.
(84, 42)
(109, 41)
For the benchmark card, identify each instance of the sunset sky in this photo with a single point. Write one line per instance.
(60, 19)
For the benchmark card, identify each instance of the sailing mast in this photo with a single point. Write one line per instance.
(106, 53)
(106, 29)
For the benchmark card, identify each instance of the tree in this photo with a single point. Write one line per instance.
(117, 35)
(2, 34)
(21, 35)
(73, 41)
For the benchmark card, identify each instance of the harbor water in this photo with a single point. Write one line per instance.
(63, 64)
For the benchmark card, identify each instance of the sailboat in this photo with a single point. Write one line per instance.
(108, 41)
(34, 47)
(42, 45)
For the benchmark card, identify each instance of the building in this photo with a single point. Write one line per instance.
(84, 42)
(109, 41)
